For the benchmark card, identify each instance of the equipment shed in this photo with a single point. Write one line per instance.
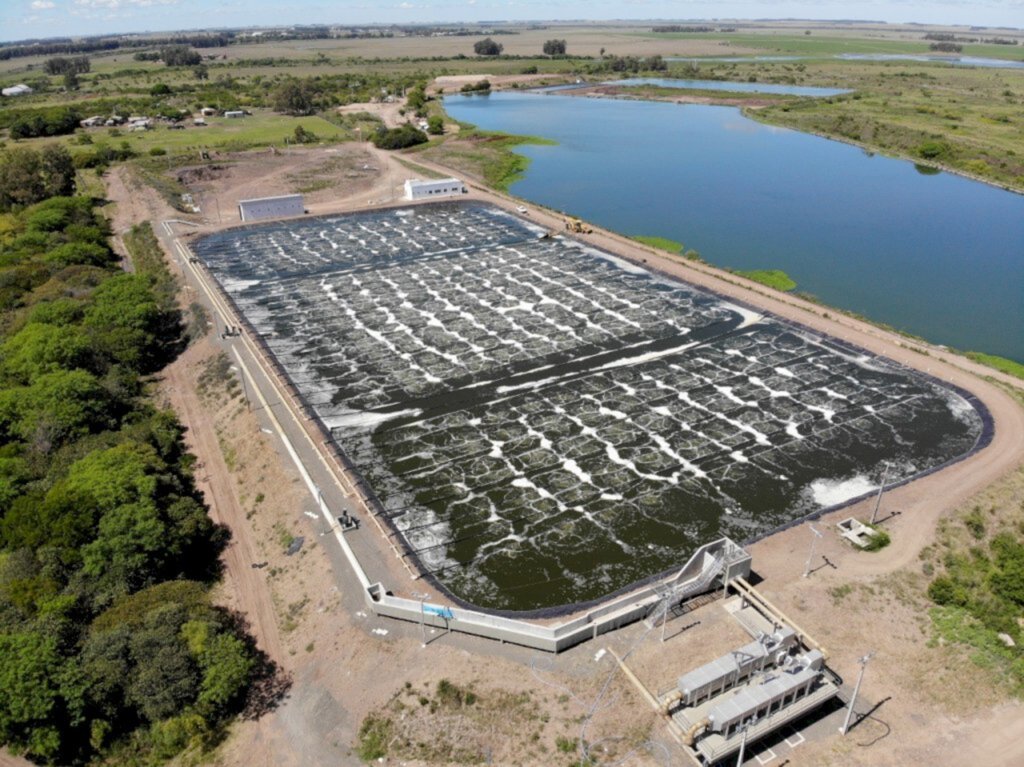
(271, 207)
(423, 190)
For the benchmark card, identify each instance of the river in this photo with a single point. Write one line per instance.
(935, 255)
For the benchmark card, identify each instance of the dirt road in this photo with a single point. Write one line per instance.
(246, 585)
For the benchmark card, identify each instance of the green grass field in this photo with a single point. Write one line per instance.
(661, 243)
(998, 363)
(773, 278)
(483, 154)
(817, 44)
(257, 130)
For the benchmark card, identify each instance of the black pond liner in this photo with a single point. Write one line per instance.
(558, 611)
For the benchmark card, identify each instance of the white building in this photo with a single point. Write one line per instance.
(425, 190)
(17, 90)
(271, 207)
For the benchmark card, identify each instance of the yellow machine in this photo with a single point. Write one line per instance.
(577, 226)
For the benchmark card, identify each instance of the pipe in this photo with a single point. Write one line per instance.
(691, 734)
(673, 697)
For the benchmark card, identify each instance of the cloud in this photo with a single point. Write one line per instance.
(115, 4)
(41, 5)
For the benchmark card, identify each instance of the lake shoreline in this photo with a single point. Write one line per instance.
(751, 107)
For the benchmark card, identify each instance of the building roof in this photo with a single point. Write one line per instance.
(272, 199)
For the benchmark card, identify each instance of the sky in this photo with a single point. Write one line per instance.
(22, 19)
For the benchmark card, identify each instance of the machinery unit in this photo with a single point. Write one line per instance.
(735, 668)
(795, 679)
(577, 226)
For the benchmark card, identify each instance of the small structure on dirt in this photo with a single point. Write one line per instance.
(271, 207)
(856, 532)
(415, 189)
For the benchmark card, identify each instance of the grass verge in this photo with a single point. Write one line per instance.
(772, 278)
(485, 154)
(1010, 367)
(661, 243)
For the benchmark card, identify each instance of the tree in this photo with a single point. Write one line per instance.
(21, 181)
(416, 99)
(39, 348)
(30, 706)
(58, 171)
(165, 677)
(201, 72)
(554, 48)
(55, 408)
(180, 56)
(435, 125)
(70, 81)
(293, 97)
(160, 89)
(487, 47)
(60, 65)
(128, 325)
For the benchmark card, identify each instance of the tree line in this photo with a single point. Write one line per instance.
(98, 44)
(110, 648)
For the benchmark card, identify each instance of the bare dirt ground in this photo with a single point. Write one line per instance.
(388, 112)
(451, 83)
(322, 175)
(588, 40)
(342, 670)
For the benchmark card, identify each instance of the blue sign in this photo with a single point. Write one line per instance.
(441, 612)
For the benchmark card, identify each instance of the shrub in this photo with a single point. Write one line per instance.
(931, 150)
(399, 138)
(878, 541)
(374, 735)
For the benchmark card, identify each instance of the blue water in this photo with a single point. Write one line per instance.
(959, 61)
(720, 85)
(936, 255)
(956, 61)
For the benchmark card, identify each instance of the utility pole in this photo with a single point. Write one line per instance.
(810, 556)
(423, 625)
(743, 743)
(878, 500)
(856, 690)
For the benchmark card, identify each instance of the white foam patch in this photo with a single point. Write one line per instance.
(750, 317)
(625, 266)
(830, 492)
(359, 419)
(574, 468)
(961, 409)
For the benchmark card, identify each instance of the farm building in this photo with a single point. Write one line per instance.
(271, 207)
(422, 190)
